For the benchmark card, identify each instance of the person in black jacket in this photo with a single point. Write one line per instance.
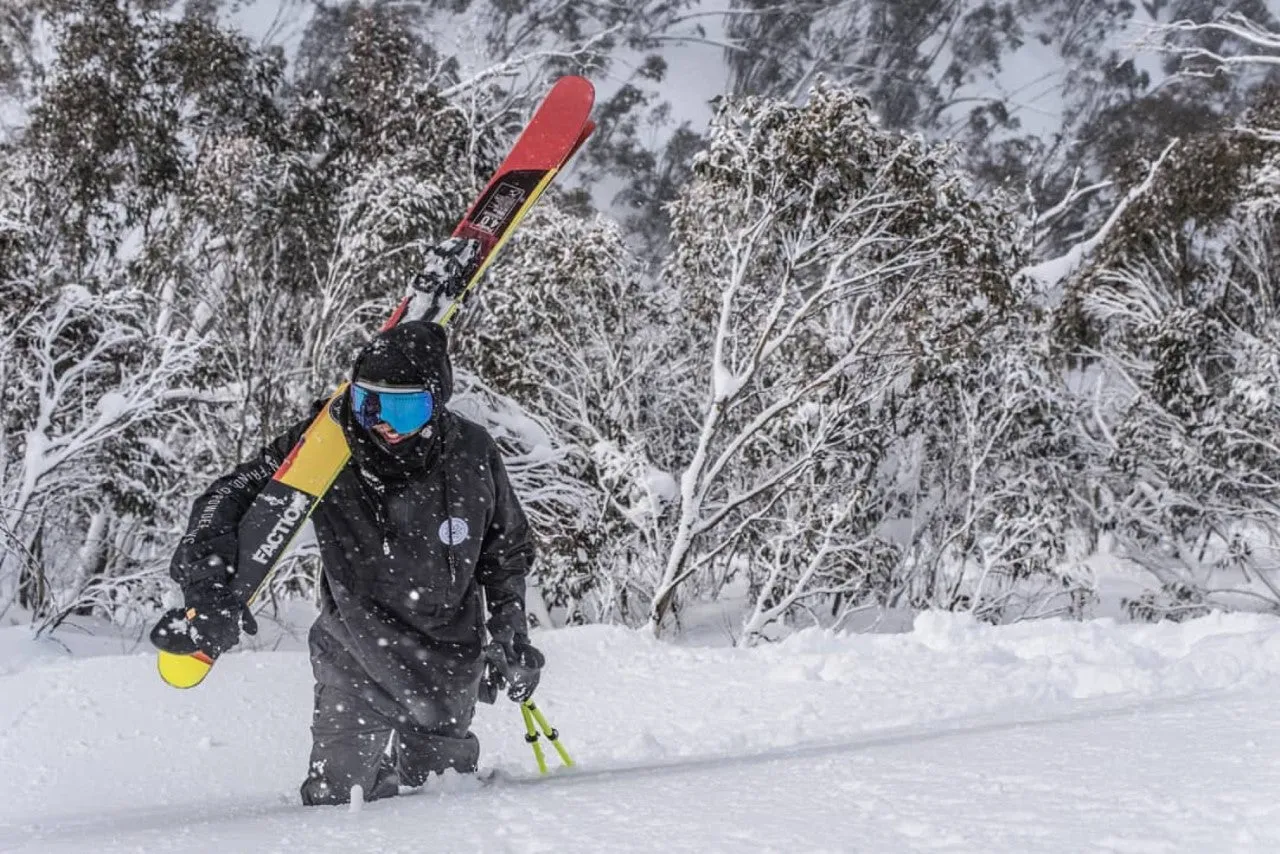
(415, 531)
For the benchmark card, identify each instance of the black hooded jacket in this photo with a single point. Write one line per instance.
(409, 538)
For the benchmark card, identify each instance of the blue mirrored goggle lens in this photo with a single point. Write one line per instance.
(405, 411)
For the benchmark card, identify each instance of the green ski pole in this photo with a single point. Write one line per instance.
(552, 734)
(531, 736)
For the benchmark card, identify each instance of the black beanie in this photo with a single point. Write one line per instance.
(413, 353)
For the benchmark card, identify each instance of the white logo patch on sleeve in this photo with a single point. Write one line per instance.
(454, 531)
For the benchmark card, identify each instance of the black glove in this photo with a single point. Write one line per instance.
(445, 272)
(516, 665)
(212, 618)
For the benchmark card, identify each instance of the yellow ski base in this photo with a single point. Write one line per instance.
(319, 458)
(183, 671)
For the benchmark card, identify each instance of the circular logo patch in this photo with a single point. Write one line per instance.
(453, 531)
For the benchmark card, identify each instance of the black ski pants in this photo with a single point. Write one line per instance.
(358, 740)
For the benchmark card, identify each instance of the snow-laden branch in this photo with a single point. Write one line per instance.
(1052, 273)
(514, 65)
(779, 594)
(1164, 39)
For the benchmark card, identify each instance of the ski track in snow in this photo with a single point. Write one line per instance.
(957, 737)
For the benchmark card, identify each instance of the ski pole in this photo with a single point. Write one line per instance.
(552, 734)
(531, 738)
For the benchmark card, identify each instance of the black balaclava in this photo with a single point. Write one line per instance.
(413, 353)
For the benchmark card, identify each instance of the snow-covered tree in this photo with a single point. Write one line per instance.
(1177, 314)
(991, 464)
(567, 326)
(819, 259)
(93, 387)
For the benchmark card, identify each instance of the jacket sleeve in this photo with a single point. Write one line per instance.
(216, 514)
(506, 557)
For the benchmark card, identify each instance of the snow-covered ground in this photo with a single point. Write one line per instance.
(1038, 737)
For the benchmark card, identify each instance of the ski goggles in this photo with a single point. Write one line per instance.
(406, 410)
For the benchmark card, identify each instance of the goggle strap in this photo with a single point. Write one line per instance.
(390, 389)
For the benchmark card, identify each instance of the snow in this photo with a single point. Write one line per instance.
(724, 383)
(504, 418)
(112, 405)
(955, 736)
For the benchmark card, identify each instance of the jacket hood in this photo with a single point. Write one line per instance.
(413, 353)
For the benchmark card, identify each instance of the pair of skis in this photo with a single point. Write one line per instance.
(555, 132)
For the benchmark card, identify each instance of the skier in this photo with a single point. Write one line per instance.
(418, 525)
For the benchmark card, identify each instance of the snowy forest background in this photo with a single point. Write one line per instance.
(949, 298)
